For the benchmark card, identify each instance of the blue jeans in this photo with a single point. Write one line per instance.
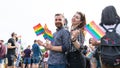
(27, 61)
(2, 61)
(36, 59)
(57, 66)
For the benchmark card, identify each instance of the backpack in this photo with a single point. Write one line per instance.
(110, 47)
(46, 54)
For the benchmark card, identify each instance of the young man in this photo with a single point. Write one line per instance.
(27, 57)
(61, 44)
(11, 50)
(36, 56)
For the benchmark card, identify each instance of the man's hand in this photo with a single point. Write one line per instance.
(48, 46)
(40, 43)
(16, 46)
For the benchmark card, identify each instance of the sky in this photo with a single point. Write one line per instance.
(21, 15)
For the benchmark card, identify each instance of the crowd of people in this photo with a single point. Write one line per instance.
(66, 51)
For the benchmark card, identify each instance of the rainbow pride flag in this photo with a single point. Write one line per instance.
(89, 55)
(94, 30)
(47, 34)
(38, 29)
(19, 39)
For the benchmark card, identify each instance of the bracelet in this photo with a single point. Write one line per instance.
(74, 40)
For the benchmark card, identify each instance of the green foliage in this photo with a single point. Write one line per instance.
(21, 47)
(43, 50)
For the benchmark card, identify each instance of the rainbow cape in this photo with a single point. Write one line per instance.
(94, 30)
(38, 29)
(47, 34)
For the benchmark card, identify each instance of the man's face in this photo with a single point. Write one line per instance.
(59, 21)
(15, 35)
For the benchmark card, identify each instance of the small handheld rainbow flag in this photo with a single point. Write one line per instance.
(47, 34)
(19, 39)
(89, 55)
(38, 29)
(94, 30)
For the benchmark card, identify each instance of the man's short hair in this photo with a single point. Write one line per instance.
(13, 34)
(35, 41)
(59, 14)
(2, 40)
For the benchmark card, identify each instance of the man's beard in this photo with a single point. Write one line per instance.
(58, 25)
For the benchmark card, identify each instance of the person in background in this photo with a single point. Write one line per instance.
(2, 53)
(36, 54)
(27, 57)
(22, 58)
(109, 19)
(92, 59)
(18, 53)
(11, 54)
(46, 56)
(66, 24)
(76, 59)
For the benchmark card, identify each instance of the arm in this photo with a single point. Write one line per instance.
(95, 43)
(76, 44)
(40, 51)
(10, 41)
(74, 40)
(51, 47)
(54, 48)
(92, 47)
(31, 53)
(65, 43)
(10, 46)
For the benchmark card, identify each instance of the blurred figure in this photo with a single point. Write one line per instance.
(109, 20)
(27, 57)
(46, 56)
(22, 58)
(66, 24)
(11, 54)
(2, 54)
(18, 53)
(92, 50)
(36, 55)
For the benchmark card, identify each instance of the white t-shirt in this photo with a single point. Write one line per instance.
(112, 26)
(46, 59)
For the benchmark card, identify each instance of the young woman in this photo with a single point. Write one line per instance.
(75, 57)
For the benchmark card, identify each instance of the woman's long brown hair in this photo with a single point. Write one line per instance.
(83, 22)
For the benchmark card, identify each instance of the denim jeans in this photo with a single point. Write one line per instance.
(2, 61)
(27, 61)
(57, 66)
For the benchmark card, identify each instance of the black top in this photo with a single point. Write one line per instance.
(11, 50)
